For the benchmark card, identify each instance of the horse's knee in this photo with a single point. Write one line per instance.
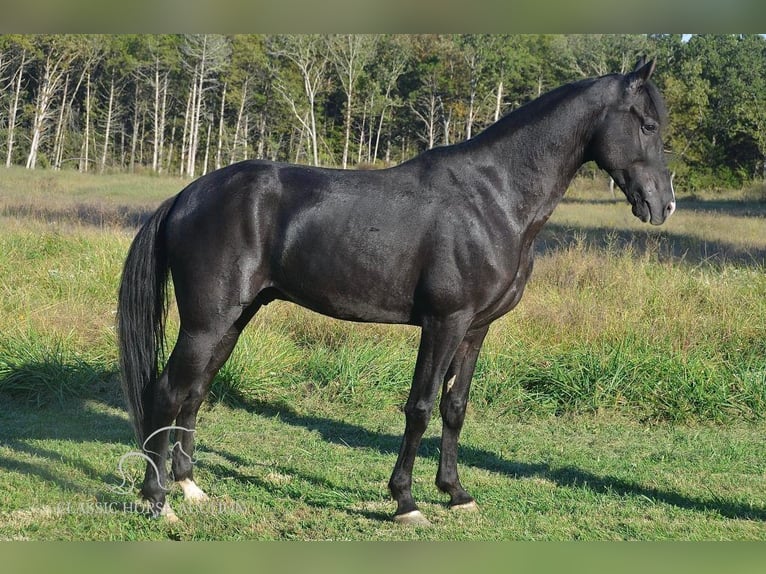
(453, 412)
(417, 416)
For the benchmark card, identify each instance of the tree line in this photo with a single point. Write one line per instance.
(186, 104)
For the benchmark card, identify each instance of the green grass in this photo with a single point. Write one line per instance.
(623, 399)
(311, 472)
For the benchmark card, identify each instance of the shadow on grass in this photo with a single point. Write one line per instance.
(94, 214)
(355, 436)
(23, 424)
(67, 409)
(663, 244)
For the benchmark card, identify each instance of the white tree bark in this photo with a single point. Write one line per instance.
(58, 138)
(134, 139)
(305, 53)
(238, 126)
(499, 99)
(54, 69)
(184, 138)
(108, 127)
(350, 53)
(85, 149)
(14, 109)
(163, 120)
(219, 147)
(156, 116)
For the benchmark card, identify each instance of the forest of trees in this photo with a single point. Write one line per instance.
(186, 104)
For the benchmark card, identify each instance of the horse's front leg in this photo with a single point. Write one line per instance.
(454, 399)
(439, 340)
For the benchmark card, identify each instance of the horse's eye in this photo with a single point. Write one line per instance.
(649, 128)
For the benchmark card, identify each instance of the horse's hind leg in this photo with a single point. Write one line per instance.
(160, 406)
(199, 353)
(186, 421)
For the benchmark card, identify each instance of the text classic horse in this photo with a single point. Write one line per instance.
(443, 241)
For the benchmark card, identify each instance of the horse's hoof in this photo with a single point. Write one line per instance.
(470, 506)
(192, 492)
(412, 518)
(168, 514)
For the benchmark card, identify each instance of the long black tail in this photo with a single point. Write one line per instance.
(141, 313)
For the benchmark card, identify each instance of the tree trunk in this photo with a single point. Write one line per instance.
(190, 144)
(14, 109)
(220, 130)
(245, 132)
(349, 99)
(134, 139)
(57, 62)
(361, 137)
(66, 112)
(499, 101)
(237, 128)
(379, 131)
(313, 132)
(58, 138)
(446, 121)
(169, 160)
(122, 146)
(85, 149)
(42, 106)
(156, 114)
(184, 138)
(305, 53)
(198, 112)
(142, 138)
(207, 148)
(469, 121)
(107, 129)
(262, 136)
(163, 117)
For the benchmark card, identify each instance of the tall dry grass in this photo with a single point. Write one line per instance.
(664, 323)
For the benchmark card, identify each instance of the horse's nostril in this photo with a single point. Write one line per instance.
(670, 208)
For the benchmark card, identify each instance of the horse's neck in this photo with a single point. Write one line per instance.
(538, 151)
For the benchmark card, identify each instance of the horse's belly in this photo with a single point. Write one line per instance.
(348, 300)
(359, 281)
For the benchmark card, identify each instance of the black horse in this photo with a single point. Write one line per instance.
(443, 241)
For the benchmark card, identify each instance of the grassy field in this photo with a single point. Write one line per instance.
(623, 399)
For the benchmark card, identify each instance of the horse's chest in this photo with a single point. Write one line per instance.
(510, 291)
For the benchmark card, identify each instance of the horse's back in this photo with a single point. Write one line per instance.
(344, 243)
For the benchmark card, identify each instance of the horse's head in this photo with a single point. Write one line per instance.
(628, 145)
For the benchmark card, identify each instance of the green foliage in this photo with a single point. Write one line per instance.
(410, 92)
(33, 370)
(715, 89)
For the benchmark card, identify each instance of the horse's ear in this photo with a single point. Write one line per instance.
(640, 74)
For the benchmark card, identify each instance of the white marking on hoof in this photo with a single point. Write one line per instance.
(168, 514)
(466, 507)
(192, 492)
(412, 518)
(450, 383)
